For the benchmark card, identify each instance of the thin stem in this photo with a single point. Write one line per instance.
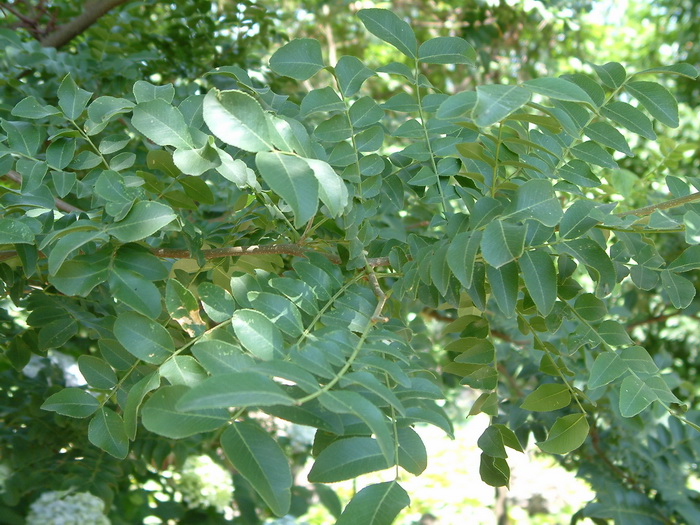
(666, 205)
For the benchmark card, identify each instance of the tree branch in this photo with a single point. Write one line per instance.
(673, 203)
(60, 204)
(92, 11)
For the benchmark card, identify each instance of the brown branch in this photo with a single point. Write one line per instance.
(279, 249)
(672, 203)
(92, 11)
(60, 204)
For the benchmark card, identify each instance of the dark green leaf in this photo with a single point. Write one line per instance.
(679, 289)
(502, 242)
(144, 219)
(629, 117)
(446, 50)
(261, 462)
(97, 372)
(495, 102)
(657, 100)
(143, 338)
(160, 415)
(461, 255)
(606, 368)
(237, 119)
(106, 431)
(257, 333)
(377, 504)
(299, 59)
(234, 389)
(540, 277)
(12, 231)
(494, 471)
(567, 434)
(293, 180)
(547, 397)
(351, 73)
(635, 396)
(612, 74)
(72, 402)
(504, 286)
(390, 28)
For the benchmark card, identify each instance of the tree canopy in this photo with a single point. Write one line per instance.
(229, 231)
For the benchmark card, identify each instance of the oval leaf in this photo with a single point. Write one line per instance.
(567, 434)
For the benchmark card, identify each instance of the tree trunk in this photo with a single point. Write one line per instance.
(92, 11)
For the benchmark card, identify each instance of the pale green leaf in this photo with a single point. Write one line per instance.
(143, 338)
(72, 402)
(387, 26)
(495, 102)
(635, 396)
(299, 59)
(106, 431)
(257, 333)
(237, 119)
(446, 50)
(377, 504)
(567, 434)
(547, 397)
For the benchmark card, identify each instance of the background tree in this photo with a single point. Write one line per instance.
(374, 226)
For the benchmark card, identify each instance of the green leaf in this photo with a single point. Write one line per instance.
(547, 397)
(322, 99)
(299, 59)
(635, 396)
(630, 118)
(68, 244)
(60, 153)
(79, 276)
(351, 73)
(413, 457)
(495, 102)
(679, 289)
(491, 442)
(681, 69)
(535, 199)
(612, 74)
(377, 504)
(593, 154)
(346, 459)
(136, 292)
(590, 307)
(71, 98)
(57, 333)
(141, 261)
(657, 100)
(606, 368)
(257, 333)
(502, 242)
(613, 333)
(145, 92)
(292, 179)
(217, 302)
(220, 357)
(332, 189)
(134, 399)
(329, 499)
(183, 308)
(97, 372)
(235, 389)
(447, 50)
(12, 231)
(237, 119)
(260, 460)
(599, 265)
(567, 434)
(607, 135)
(162, 123)
(494, 471)
(390, 28)
(461, 255)
(691, 221)
(504, 286)
(638, 360)
(106, 431)
(183, 370)
(577, 220)
(353, 403)
(364, 112)
(72, 402)
(558, 89)
(280, 310)
(144, 219)
(31, 108)
(688, 260)
(160, 415)
(540, 278)
(143, 338)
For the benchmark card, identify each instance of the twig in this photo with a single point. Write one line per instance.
(672, 203)
(60, 204)
(92, 12)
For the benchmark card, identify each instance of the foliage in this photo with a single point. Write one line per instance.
(218, 257)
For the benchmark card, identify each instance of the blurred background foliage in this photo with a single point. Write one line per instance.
(516, 40)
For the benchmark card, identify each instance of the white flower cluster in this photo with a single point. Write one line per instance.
(67, 508)
(204, 483)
